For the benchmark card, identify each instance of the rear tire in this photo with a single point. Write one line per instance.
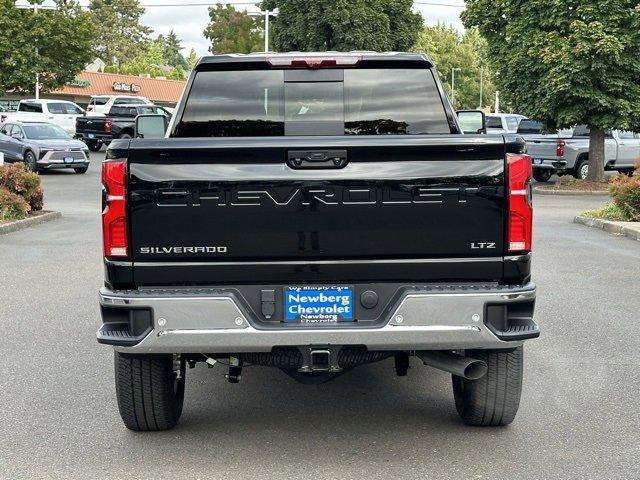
(542, 174)
(81, 170)
(492, 400)
(582, 169)
(125, 136)
(149, 393)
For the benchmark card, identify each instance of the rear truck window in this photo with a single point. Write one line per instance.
(345, 102)
(30, 107)
(493, 122)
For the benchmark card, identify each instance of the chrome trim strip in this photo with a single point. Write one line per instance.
(323, 262)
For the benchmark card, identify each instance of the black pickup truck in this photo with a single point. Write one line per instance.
(119, 123)
(317, 212)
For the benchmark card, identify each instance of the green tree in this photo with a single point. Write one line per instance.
(567, 63)
(317, 25)
(55, 43)
(232, 31)
(172, 51)
(148, 61)
(449, 49)
(191, 59)
(119, 32)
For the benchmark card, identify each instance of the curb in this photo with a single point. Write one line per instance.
(628, 229)
(545, 191)
(29, 222)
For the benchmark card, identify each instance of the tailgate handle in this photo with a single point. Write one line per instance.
(305, 159)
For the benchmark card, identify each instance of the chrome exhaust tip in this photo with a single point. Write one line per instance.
(465, 367)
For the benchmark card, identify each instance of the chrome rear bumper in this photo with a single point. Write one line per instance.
(216, 321)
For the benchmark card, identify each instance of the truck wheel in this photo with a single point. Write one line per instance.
(492, 400)
(582, 169)
(81, 169)
(150, 391)
(125, 135)
(542, 174)
(95, 145)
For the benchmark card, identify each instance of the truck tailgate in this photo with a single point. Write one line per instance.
(542, 147)
(92, 124)
(413, 208)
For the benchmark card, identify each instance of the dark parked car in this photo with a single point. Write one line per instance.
(119, 123)
(42, 146)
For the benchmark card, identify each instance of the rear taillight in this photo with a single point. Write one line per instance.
(107, 126)
(114, 208)
(560, 148)
(520, 220)
(314, 61)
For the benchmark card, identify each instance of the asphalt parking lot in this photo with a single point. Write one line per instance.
(578, 418)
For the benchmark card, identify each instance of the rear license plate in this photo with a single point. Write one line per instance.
(537, 161)
(329, 304)
(68, 159)
(89, 135)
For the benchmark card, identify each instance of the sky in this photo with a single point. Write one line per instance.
(189, 21)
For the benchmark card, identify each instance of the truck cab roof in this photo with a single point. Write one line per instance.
(356, 54)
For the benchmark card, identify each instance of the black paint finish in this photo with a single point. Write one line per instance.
(221, 211)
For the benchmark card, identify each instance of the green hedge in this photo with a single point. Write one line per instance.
(20, 192)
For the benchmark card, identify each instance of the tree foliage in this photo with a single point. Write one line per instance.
(566, 62)
(233, 31)
(191, 59)
(150, 60)
(172, 50)
(119, 31)
(317, 25)
(56, 43)
(448, 49)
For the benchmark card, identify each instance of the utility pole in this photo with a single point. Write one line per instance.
(453, 85)
(267, 14)
(481, 78)
(497, 108)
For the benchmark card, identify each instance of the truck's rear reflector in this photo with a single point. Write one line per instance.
(114, 211)
(520, 221)
(107, 126)
(560, 148)
(314, 62)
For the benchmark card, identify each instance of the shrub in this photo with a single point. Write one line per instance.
(15, 178)
(12, 206)
(625, 192)
(609, 212)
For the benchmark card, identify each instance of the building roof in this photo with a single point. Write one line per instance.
(154, 89)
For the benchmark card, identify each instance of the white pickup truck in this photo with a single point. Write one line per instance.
(57, 112)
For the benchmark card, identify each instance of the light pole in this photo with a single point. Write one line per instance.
(267, 16)
(481, 78)
(453, 85)
(35, 6)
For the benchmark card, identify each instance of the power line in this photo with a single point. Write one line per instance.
(211, 4)
(256, 3)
